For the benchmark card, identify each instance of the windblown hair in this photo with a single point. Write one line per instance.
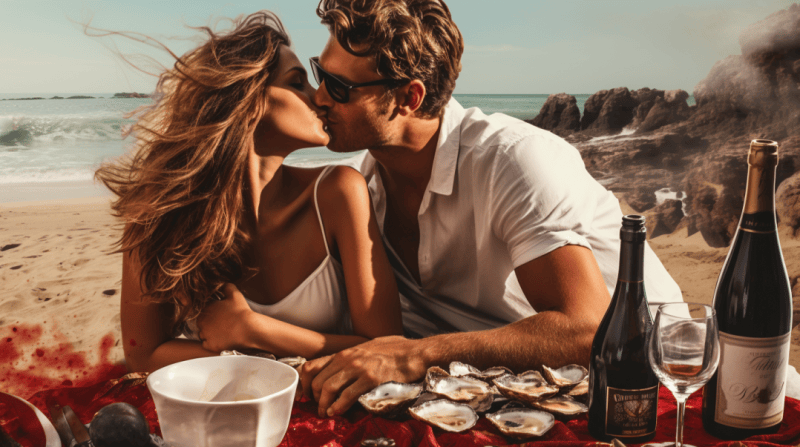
(183, 193)
(409, 39)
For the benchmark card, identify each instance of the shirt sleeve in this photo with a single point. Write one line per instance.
(540, 196)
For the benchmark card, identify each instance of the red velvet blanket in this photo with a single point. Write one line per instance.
(306, 429)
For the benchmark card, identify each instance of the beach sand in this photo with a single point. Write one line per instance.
(59, 309)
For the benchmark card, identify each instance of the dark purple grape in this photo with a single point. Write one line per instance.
(119, 425)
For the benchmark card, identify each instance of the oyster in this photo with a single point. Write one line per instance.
(425, 397)
(528, 387)
(450, 416)
(581, 390)
(561, 405)
(522, 422)
(458, 369)
(389, 397)
(495, 372)
(250, 352)
(294, 362)
(565, 376)
(458, 389)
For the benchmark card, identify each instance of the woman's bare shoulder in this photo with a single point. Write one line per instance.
(344, 186)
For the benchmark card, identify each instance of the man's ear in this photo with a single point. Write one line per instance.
(410, 96)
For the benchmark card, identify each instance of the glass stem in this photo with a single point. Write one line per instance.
(679, 423)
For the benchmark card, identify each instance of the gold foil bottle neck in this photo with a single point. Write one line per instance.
(763, 153)
(760, 193)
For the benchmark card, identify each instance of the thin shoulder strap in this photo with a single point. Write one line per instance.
(316, 205)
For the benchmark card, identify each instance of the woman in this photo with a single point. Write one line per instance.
(212, 213)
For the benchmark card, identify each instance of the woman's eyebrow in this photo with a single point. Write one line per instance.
(297, 68)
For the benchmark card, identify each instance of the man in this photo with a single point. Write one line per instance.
(504, 247)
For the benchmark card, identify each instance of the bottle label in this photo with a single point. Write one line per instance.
(761, 222)
(631, 413)
(751, 380)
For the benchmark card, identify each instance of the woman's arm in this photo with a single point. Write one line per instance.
(147, 340)
(371, 289)
(346, 208)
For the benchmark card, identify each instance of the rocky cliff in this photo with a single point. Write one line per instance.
(642, 141)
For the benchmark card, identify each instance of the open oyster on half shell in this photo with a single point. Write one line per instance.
(580, 391)
(389, 397)
(458, 369)
(528, 387)
(522, 422)
(474, 392)
(561, 405)
(447, 415)
(566, 376)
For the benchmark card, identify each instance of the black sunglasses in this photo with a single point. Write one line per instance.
(338, 89)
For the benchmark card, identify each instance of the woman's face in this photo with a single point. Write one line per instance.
(292, 121)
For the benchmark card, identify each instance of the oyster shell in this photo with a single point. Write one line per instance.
(580, 390)
(565, 376)
(450, 416)
(294, 362)
(389, 397)
(458, 369)
(522, 422)
(425, 397)
(561, 405)
(528, 387)
(458, 389)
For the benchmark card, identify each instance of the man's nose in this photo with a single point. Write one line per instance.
(321, 96)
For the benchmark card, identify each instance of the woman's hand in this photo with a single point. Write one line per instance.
(225, 324)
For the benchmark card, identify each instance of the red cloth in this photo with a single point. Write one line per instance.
(308, 430)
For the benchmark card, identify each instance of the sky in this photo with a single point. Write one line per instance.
(512, 46)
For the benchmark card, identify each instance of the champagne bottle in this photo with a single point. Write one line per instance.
(623, 390)
(753, 302)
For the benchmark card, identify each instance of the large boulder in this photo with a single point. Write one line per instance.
(559, 114)
(755, 94)
(776, 33)
(671, 108)
(615, 113)
(715, 189)
(664, 218)
(646, 98)
(641, 199)
(787, 203)
(592, 107)
(714, 196)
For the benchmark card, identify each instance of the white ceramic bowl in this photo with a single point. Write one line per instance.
(224, 401)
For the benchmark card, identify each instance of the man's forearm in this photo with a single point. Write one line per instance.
(550, 338)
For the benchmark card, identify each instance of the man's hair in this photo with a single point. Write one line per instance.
(409, 39)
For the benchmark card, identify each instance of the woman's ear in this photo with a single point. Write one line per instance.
(410, 97)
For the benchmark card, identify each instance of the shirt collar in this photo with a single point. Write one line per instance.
(446, 159)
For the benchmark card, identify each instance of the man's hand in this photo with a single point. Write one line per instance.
(223, 324)
(337, 381)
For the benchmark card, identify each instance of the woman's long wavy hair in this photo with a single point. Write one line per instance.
(183, 192)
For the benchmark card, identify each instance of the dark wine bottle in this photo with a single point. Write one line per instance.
(753, 302)
(623, 390)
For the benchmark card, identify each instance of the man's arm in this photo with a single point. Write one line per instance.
(565, 286)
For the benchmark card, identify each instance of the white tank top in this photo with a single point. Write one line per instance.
(319, 303)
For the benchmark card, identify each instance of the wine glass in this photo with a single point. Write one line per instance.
(684, 351)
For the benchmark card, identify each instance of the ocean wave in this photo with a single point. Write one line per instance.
(32, 130)
(620, 136)
(45, 175)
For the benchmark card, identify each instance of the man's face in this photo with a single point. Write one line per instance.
(363, 122)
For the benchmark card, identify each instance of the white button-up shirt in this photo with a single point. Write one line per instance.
(502, 192)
